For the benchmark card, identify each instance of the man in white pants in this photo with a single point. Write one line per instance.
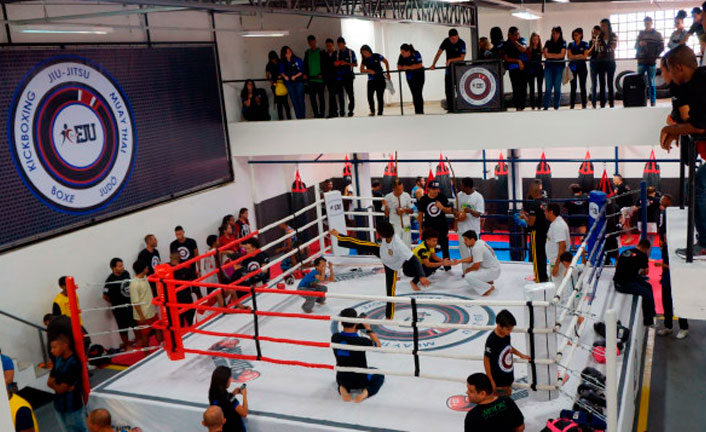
(484, 268)
(398, 207)
(558, 242)
(471, 207)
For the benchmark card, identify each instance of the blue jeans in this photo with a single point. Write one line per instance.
(296, 94)
(72, 422)
(651, 70)
(700, 209)
(553, 73)
(644, 290)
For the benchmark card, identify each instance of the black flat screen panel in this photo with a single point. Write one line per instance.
(94, 133)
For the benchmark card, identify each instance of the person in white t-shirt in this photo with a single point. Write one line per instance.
(211, 265)
(484, 268)
(471, 208)
(558, 241)
(393, 253)
(398, 207)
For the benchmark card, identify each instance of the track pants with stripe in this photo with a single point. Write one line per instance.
(539, 256)
(411, 268)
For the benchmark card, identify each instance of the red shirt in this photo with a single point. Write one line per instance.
(225, 239)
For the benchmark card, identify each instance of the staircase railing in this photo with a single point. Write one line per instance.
(40, 330)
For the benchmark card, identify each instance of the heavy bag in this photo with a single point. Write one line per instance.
(544, 174)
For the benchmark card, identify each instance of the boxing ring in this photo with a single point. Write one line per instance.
(434, 341)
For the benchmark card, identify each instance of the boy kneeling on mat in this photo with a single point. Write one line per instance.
(366, 384)
(314, 281)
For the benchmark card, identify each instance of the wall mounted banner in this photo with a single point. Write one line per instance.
(478, 86)
(93, 133)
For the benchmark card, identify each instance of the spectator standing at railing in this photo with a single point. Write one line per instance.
(455, 49)
(680, 34)
(606, 43)
(345, 64)
(187, 249)
(535, 73)
(255, 104)
(578, 52)
(593, 64)
(272, 71)
(691, 82)
(226, 236)
(697, 28)
(496, 39)
(117, 292)
(398, 208)
(554, 53)
(630, 278)
(410, 61)
(433, 208)
(292, 72)
(143, 311)
(61, 301)
(372, 65)
(328, 59)
(484, 47)
(313, 71)
(649, 45)
(151, 256)
(513, 48)
(242, 225)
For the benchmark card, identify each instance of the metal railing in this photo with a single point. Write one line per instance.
(40, 329)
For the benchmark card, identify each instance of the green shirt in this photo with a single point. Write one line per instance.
(312, 63)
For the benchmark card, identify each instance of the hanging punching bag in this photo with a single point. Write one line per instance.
(587, 174)
(442, 176)
(652, 173)
(389, 176)
(544, 173)
(299, 200)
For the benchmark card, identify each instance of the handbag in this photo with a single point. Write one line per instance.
(389, 86)
(568, 75)
(280, 88)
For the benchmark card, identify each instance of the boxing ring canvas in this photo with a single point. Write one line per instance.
(172, 395)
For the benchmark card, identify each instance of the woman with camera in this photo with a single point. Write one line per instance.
(218, 394)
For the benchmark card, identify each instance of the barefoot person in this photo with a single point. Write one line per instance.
(426, 253)
(483, 269)
(366, 385)
(395, 255)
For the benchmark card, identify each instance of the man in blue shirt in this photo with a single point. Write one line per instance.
(65, 379)
(455, 49)
(366, 384)
(8, 368)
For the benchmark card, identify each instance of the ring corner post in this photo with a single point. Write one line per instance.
(541, 345)
(77, 332)
(169, 311)
(320, 219)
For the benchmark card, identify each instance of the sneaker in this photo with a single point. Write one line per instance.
(699, 252)
(664, 332)
(682, 334)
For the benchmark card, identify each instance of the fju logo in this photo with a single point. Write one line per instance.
(72, 135)
(430, 339)
(477, 86)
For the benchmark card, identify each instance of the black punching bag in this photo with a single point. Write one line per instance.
(544, 174)
(587, 174)
(652, 173)
(442, 176)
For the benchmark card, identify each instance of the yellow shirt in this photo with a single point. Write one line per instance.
(140, 292)
(423, 252)
(62, 301)
(16, 403)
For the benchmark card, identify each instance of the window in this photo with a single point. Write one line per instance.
(628, 25)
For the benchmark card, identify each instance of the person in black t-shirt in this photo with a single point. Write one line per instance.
(329, 56)
(533, 214)
(410, 61)
(652, 205)
(630, 273)
(578, 209)
(117, 293)
(455, 49)
(518, 73)
(498, 358)
(433, 208)
(252, 264)
(187, 249)
(185, 295)
(554, 52)
(372, 65)
(367, 384)
(535, 72)
(345, 62)
(151, 256)
(218, 395)
(491, 413)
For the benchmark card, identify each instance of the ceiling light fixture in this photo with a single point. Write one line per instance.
(62, 29)
(264, 33)
(526, 14)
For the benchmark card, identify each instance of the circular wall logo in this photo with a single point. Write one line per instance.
(72, 135)
(477, 86)
(430, 339)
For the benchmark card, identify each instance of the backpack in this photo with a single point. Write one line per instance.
(561, 425)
